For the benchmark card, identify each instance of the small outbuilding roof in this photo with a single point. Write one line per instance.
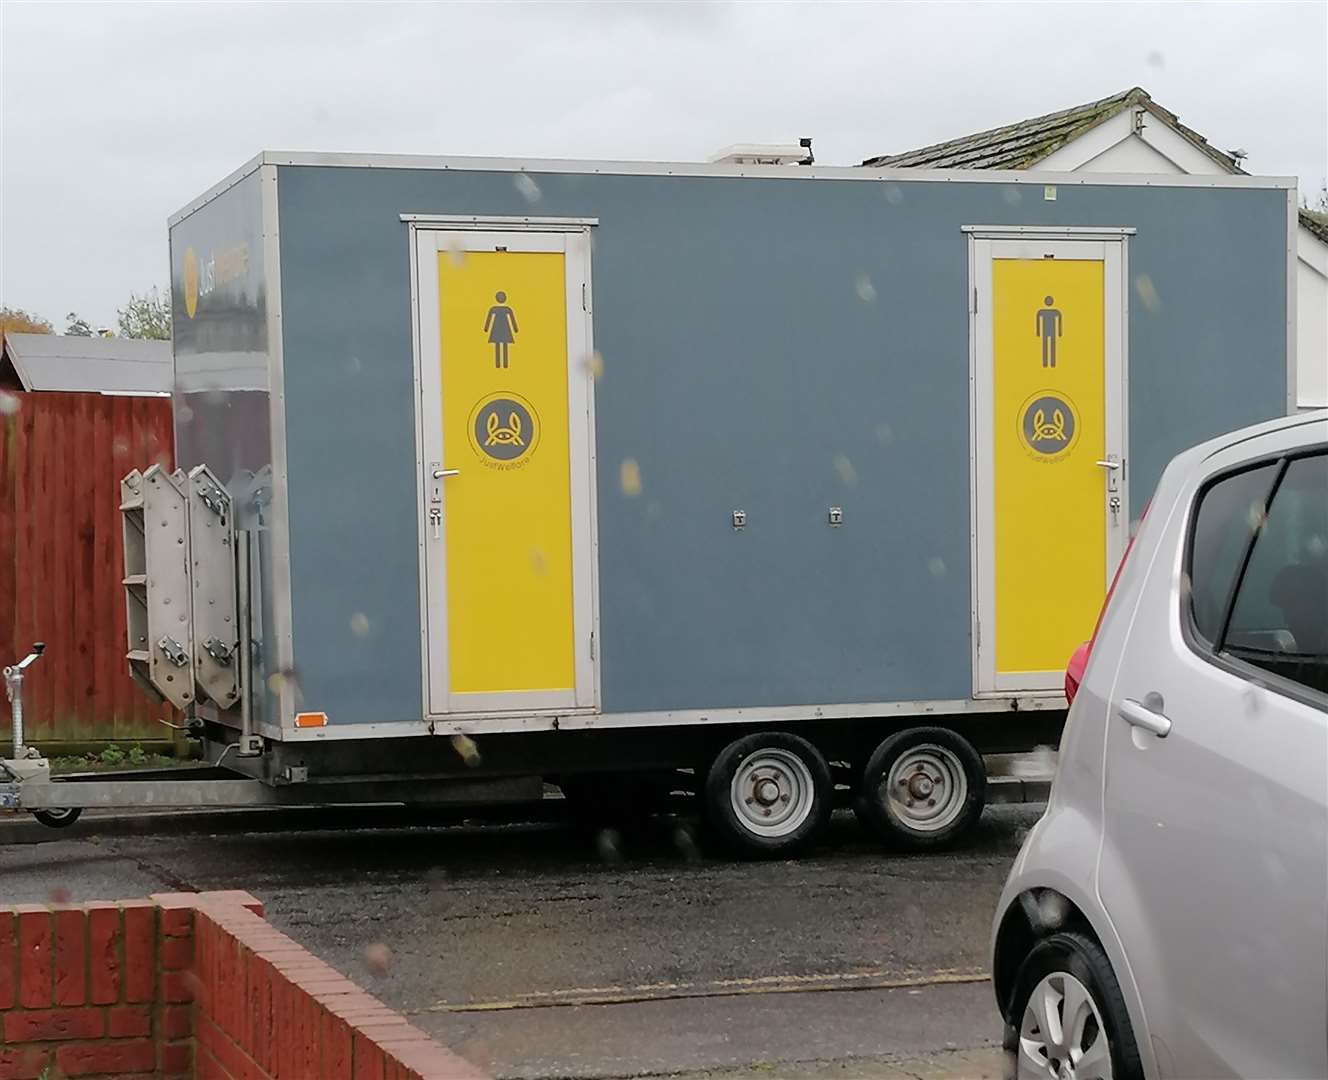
(89, 364)
(1021, 145)
(1316, 221)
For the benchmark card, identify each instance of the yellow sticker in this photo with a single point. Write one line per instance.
(505, 427)
(1049, 424)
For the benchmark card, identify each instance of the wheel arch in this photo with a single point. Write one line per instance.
(1034, 914)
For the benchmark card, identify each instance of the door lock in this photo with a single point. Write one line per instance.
(436, 520)
(1115, 504)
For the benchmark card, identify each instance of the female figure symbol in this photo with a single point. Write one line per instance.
(500, 325)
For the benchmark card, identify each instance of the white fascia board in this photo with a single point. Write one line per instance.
(1169, 142)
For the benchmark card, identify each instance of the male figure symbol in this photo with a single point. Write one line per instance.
(500, 325)
(1049, 328)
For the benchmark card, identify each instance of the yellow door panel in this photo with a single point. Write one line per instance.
(1049, 430)
(507, 515)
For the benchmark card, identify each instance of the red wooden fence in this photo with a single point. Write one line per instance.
(61, 459)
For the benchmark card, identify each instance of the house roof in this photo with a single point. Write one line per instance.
(1316, 221)
(101, 365)
(1023, 144)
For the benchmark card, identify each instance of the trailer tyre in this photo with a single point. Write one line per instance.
(922, 789)
(769, 794)
(58, 819)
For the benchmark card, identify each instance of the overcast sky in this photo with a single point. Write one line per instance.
(115, 115)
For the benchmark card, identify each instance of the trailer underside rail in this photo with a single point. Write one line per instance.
(208, 786)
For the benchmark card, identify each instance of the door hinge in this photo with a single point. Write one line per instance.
(975, 300)
(592, 645)
(585, 297)
(979, 635)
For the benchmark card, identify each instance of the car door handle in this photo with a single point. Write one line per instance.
(1141, 716)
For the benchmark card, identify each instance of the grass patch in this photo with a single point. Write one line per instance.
(116, 756)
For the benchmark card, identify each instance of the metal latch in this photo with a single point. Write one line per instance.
(173, 651)
(836, 515)
(739, 519)
(219, 651)
(213, 498)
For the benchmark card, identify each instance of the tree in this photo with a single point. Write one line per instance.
(146, 316)
(77, 326)
(18, 321)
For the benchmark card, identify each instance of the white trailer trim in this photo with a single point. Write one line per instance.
(283, 609)
(505, 723)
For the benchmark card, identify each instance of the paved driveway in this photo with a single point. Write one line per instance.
(546, 951)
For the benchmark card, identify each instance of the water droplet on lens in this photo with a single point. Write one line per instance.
(629, 478)
(527, 187)
(1144, 287)
(848, 475)
(466, 749)
(378, 959)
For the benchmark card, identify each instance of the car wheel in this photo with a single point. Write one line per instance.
(922, 789)
(1068, 1018)
(769, 794)
(58, 819)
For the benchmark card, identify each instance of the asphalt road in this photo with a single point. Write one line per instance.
(542, 950)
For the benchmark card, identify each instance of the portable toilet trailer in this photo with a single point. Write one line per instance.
(571, 470)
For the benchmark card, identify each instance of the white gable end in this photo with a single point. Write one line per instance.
(1133, 140)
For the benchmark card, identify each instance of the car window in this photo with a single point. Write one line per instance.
(1279, 621)
(1228, 515)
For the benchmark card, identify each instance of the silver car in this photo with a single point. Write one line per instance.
(1168, 916)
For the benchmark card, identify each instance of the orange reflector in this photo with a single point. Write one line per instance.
(311, 719)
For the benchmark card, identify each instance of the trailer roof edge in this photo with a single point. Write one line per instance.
(686, 168)
(775, 172)
(219, 188)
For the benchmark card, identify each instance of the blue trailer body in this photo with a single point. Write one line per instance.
(779, 342)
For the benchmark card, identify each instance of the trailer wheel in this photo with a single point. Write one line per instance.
(922, 789)
(769, 794)
(58, 819)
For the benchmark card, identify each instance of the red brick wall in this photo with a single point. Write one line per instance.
(191, 985)
(94, 990)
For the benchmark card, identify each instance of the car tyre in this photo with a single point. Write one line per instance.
(922, 789)
(769, 795)
(1067, 1016)
(58, 819)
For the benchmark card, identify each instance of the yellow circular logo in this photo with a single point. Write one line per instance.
(190, 282)
(504, 430)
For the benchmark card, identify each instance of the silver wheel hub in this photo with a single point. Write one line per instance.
(772, 792)
(926, 788)
(1061, 1036)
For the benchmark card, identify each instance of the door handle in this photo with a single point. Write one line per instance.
(438, 474)
(1142, 716)
(1112, 465)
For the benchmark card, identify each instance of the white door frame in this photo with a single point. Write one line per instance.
(430, 236)
(987, 243)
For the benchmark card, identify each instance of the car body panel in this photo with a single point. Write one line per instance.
(1200, 860)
